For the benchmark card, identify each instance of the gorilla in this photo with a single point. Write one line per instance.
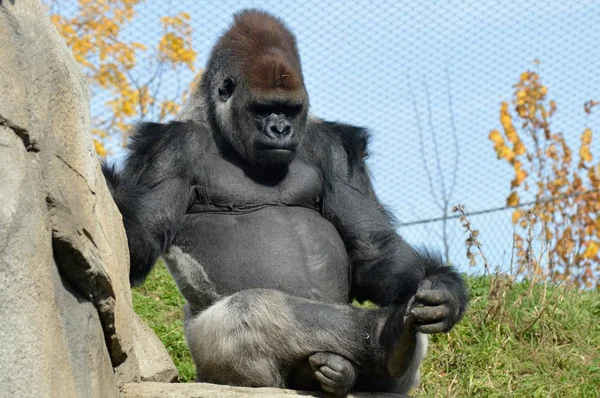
(268, 222)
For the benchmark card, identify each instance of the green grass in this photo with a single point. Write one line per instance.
(159, 303)
(522, 342)
(519, 341)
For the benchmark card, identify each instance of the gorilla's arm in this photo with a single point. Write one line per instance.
(385, 268)
(152, 191)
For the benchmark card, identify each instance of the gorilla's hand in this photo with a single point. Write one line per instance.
(436, 307)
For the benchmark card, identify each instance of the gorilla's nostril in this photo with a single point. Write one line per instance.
(286, 129)
(280, 128)
(275, 129)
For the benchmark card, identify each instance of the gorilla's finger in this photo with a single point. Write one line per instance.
(317, 360)
(409, 305)
(324, 380)
(332, 374)
(440, 327)
(427, 315)
(438, 296)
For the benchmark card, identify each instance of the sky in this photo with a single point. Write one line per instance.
(376, 63)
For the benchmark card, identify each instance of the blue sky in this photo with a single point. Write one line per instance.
(367, 63)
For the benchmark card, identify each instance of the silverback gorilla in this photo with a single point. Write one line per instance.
(269, 224)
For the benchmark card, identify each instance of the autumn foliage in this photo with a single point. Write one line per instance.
(128, 72)
(561, 185)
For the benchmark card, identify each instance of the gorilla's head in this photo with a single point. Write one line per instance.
(255, 92)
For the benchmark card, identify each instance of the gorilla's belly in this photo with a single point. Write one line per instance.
(292, 249)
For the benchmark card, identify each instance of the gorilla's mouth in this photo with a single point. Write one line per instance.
(277, 150)
(277, 147)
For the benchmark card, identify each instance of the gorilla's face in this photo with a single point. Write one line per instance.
(263, 128)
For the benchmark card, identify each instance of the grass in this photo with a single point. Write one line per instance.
(530, 341)
(159, 303)
(517, 340)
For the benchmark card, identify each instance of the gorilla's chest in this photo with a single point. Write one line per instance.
(226, 187)
(249, 234)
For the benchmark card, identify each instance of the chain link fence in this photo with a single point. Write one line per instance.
(427, 78)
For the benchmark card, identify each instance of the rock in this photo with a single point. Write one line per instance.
(51, 339)
(206, 390)
(67, 319)
(154, 366)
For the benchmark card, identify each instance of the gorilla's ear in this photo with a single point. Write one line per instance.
(226, 88)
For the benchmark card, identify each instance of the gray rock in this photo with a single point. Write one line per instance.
(67, 320)
(154, 366)
(51, 338)
(206, 390)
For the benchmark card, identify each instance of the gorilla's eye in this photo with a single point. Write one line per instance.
(291, 110)
(261, 110)
(264, 110)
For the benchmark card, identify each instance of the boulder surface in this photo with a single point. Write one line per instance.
(68, 326)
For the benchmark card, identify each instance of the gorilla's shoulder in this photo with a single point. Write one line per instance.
(149, 137)
(353, 140)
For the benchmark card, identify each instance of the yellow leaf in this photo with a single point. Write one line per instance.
(496, 137)
(586, 137)
(520, 176)
(516, 216)
(523, 223)
(100, 149)
(552, 152)
(513, 199)
(597, 223)
(543, 111)
(592, 250)
(505, 119)
(519, 148)
(585, 154)
(552, 107)
(512, 135)
(505, 152)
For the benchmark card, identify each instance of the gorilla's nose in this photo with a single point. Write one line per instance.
(279, 128)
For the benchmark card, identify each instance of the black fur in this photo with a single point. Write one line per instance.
(153, 188)
(260, 208)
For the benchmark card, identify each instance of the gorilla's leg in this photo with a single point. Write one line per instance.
(403, 383)
(263, 337)
(191, 279)
(257, 337)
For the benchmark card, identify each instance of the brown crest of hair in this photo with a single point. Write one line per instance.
(266, 50)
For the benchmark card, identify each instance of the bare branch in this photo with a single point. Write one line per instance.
(438, 161)
(422, 145)
(454, 137)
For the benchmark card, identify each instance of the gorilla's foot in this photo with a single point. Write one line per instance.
(403, 342)
(335, 373)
